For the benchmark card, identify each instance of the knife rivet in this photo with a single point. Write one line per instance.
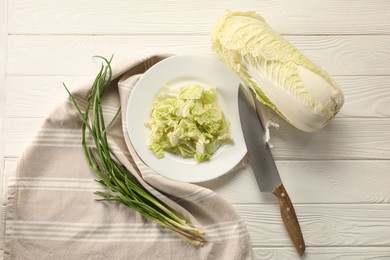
(300, 246)
(283, 194)
(288, 209)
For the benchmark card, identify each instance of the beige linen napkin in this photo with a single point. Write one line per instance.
(51, 212)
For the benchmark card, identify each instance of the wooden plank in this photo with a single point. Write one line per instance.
(18, 134)
(343, 206)
(312, 182)
(325, 225)
(72, 55)
(365, 96)
(359, 182)
(187, 17)
(34, 96)
(323, 253)
(322, 224)
(3, 71)
(343, 138)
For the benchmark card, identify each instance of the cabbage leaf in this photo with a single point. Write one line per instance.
(281, 77)
(187, 121)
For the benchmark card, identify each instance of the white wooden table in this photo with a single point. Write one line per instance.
(338, 178)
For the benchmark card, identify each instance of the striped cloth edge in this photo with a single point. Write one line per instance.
(51, 211)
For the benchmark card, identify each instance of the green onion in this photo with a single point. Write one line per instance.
(121, 185)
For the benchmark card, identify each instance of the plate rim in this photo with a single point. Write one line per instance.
(241, 149)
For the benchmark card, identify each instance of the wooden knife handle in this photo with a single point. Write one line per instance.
(289, 218)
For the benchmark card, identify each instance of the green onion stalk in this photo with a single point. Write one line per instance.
(121, 184)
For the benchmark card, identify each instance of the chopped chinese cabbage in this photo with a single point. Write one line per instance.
(187, 121)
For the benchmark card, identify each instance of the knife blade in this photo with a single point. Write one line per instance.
(264, 167)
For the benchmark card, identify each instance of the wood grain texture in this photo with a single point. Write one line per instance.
(322, 225)
(72, 55)
(323, 253)
(34, 96)
(188, 17)
(289, 218)
(3, 71)
(307, 182)
(365, 96)
(320, 182)
(338, 178)
(346, 138)
(342, 138)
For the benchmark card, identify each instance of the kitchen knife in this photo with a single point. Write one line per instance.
(264, 166)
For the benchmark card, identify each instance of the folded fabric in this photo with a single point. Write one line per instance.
(52, 212)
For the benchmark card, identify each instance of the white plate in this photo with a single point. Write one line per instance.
(178, 71)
